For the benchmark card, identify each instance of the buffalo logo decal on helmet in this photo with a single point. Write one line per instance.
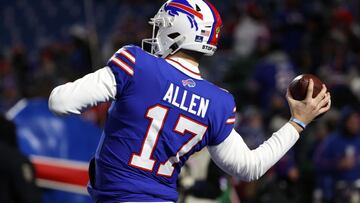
(182, 6)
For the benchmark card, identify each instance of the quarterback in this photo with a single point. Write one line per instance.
(163, 111)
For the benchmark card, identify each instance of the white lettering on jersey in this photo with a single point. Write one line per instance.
(186, 100)
(175, 97)
(204, 104)
(183, 102)
(169, 94)
(193, 103)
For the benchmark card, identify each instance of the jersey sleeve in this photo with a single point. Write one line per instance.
(224, 120)
(123, 66)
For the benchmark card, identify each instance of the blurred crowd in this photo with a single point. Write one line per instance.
(264, 45)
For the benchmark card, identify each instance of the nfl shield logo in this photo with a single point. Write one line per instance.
(199, 38)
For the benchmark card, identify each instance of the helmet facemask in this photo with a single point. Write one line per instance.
(159, 38)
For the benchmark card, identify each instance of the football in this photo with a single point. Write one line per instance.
(298, 87)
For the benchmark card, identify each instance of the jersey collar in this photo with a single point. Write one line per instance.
(185, 67)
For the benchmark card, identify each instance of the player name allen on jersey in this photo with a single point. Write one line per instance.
(186, 100)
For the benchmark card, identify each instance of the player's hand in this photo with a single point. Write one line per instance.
(308, 109)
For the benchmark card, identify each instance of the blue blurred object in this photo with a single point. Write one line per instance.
(42, 134)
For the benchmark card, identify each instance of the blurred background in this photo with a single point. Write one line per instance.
(264, 45)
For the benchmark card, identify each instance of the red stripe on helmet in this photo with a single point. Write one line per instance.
(217, 24)
(187, 9)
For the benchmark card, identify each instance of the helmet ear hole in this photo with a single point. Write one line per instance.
(174, 35)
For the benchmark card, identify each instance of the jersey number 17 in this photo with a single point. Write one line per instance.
(157, 116)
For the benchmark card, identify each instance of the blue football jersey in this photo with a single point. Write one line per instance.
(163, 113)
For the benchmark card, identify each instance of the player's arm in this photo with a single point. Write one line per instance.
(101, 86)
(234, 157)
(90, 90)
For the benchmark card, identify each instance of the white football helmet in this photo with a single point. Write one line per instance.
(185, 24)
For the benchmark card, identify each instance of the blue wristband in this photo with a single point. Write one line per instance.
(300, 123)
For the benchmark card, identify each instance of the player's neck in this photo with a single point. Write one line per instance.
(191, 60)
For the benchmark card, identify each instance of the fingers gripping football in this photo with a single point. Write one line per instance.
(309, 108)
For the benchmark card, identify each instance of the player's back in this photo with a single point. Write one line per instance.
(163, 113)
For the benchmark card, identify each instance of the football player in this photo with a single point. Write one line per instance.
(163, 111)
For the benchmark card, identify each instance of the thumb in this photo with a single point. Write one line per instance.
(289, 97)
